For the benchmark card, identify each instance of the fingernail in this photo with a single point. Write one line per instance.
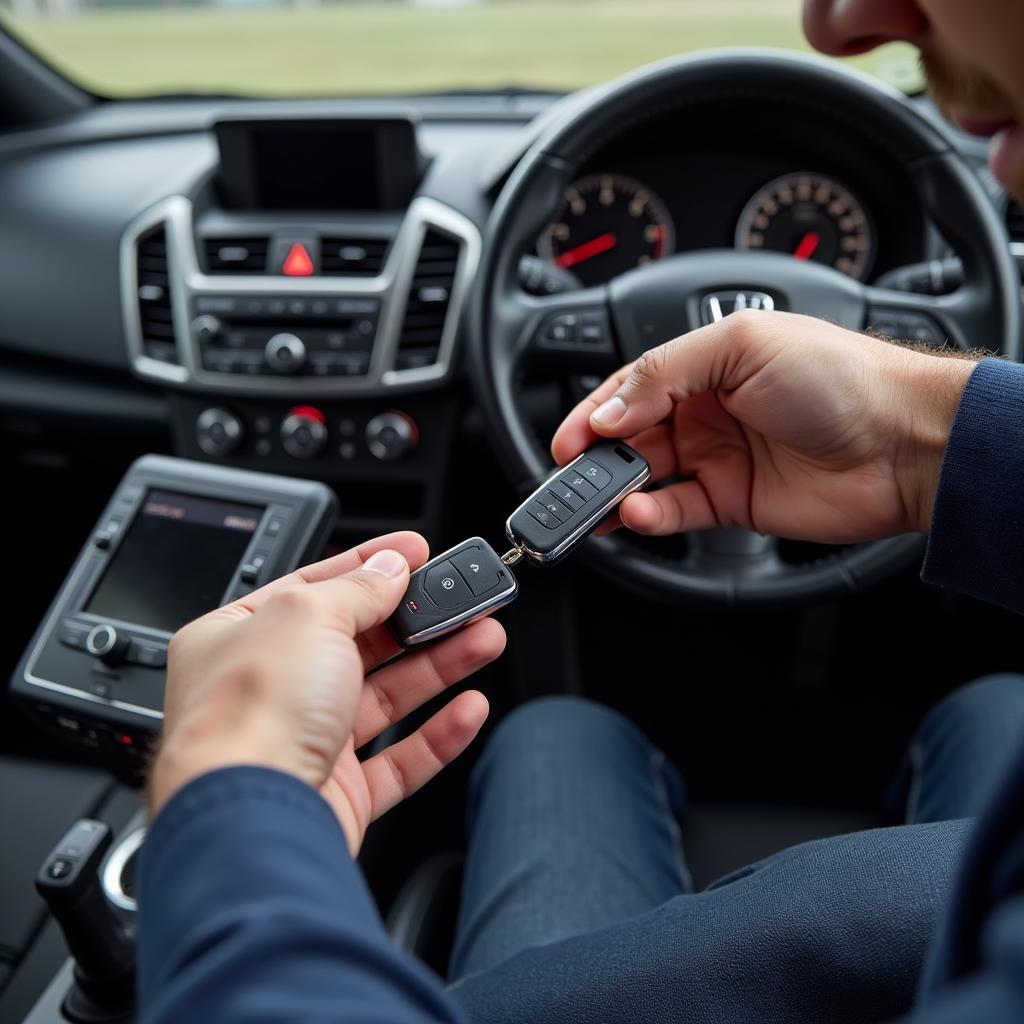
(610, 413)
(387, 563)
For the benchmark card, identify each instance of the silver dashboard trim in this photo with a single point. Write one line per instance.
(391, 286)
(539, 558)
(114, 867)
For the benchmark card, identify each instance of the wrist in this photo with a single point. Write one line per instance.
(195, 748)
(932, 387)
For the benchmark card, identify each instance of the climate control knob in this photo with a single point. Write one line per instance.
(303, 433)
(285, 353)
(206, 328)
(391, 435)
(218, 432)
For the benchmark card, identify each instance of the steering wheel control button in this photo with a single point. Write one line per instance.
(583, 488)
(446, 587)
(218, 432)
(542, 515)
(303, 433)
(391, 435)
(104, 642)
(454, 588)
(567, 496)
(285, 353)
(479, 572)
(907, 327)
(594, 474)
(544, 529)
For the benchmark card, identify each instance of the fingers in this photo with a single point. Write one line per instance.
(576, 435)
(366, 596)
(399, 771)
(678, 507)
(399, 689)
(410, 545)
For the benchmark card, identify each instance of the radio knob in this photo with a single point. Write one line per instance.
(218, 432)
(104, 642)
(303, 434)
(391, 435)
(285, 353)
(206, 328)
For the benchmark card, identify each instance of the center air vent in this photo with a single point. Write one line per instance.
(357, 257)
(154, 296)
(430, 295)
(235, 255)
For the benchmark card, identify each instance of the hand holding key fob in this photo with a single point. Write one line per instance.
(573, 501)
(471, 580)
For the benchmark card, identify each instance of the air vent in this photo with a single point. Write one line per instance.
(356, 257)
(235, 255)
(429, 298)
(154, 297)
(1015, 221)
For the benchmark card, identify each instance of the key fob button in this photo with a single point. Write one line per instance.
(477, 571)
(593, 473)
(445, 587)
(542, 515)
(555, 507)
(584, 489)
(567, 496)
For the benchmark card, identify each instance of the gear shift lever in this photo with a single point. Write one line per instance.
(97, 939)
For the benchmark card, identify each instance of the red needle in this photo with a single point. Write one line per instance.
(585, 250)
(805, 250)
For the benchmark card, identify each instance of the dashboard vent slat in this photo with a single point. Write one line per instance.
(154, 297)
(235, 255)
(426, 309)
(353, 257)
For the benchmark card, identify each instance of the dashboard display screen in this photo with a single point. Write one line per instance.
(175, 561)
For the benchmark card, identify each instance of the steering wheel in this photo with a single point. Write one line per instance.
(513, 331)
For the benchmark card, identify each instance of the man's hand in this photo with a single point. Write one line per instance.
(782, 424)
(277, 679)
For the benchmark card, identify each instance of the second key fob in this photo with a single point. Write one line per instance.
(573, 501)
(464, 583)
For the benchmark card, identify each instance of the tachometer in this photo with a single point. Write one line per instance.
(608, 224)
(812, 217)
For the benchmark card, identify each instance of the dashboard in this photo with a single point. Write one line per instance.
(286, 285)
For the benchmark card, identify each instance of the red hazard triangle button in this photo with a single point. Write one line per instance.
(298, 262)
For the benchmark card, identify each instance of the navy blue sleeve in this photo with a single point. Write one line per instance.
(976, 542)
(252, 910)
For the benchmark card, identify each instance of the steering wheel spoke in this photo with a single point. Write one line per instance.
(933, 320)
(569, 331)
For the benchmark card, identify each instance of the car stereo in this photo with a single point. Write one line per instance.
(177, 539)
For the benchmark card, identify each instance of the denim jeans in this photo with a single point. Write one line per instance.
(577, 904)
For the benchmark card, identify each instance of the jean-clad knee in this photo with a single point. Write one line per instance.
(962, 746)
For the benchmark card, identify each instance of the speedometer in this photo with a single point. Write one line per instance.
(812, 217)
(607, 224)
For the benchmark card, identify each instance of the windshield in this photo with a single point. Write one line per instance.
(318, 48)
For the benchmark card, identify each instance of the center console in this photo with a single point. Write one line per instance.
(177, 539)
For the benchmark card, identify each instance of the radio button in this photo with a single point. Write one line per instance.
(206, 328)
(73, 634)
(285, 353)
(151, 655)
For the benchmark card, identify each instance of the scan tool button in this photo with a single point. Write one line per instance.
(445, 587)
(476, 570)
(594, 473)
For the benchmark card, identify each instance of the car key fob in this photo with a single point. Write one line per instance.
(464, 583)
(573, 501)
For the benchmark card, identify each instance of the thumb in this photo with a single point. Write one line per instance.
(686, 366)
(366, 596)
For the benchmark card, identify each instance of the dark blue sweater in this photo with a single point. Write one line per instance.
(253, 911)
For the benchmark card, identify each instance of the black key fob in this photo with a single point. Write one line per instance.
(573, 501)
(464, 583)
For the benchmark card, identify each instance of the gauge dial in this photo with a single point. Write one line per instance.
(608, 224)
(812, 217)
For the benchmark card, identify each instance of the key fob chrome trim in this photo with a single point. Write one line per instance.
(630, 480)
